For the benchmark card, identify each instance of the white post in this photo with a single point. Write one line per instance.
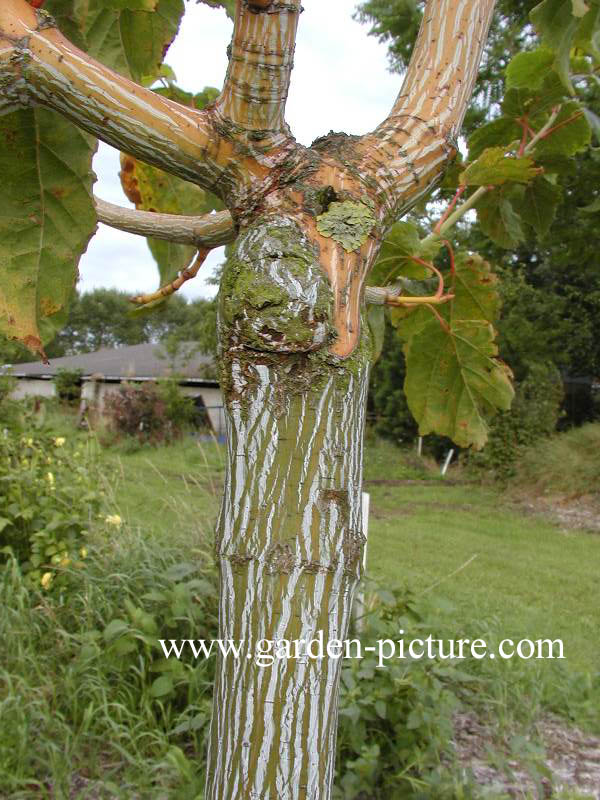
(420, 446)
(447, 461)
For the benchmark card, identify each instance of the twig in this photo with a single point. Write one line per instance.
(170, 288)
(451, 575)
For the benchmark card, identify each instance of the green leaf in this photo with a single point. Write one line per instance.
(593, 121)
(115, 627)
(587, 37)
(200, 100)
(534, 104)
(119, 33)
(537, 204)
(400, 247)
(494, 167)
(499, 221)
(529, 70)
(187, 726)
(475, 289)
(555, 23)
(452, 173)
(573, 133)
(131, 5)
(499, 133)
(592, 208)
(47, 217)
(564, 24)
(123, 646)
(161, 686)
(454, 380)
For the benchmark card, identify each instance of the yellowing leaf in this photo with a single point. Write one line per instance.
(476, 294)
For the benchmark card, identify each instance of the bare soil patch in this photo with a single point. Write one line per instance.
(571, 756)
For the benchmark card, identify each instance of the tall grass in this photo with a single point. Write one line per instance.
(567, 464)
(78, 707)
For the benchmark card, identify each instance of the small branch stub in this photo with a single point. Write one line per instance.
(259, 4)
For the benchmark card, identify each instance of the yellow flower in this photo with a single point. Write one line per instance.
(83, 552)
(114, 519)
(29, 442)
(46, 579)
(65, 562)
(50, 478)
(59, 441)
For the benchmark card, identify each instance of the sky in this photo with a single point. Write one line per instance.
(340, 82)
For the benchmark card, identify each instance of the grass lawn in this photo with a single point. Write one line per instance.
(528, 578)
(532, 578)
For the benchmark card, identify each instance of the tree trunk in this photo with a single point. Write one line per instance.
(294, 354)
(289, 539)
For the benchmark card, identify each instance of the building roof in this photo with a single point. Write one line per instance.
(137, 362)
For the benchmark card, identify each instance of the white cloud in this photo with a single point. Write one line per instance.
(340, 83)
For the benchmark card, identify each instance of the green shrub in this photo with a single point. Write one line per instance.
(9, 409)
(534, 414)
(113, 717)
(49, 496)
(395, 722)
(7, 385)
(68, 386)
(151, 413)
(179, 407)
(567, 464)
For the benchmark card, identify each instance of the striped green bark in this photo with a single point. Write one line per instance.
(289, 539)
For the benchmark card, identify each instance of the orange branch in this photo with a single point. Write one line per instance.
(260, 64)
(409, 150)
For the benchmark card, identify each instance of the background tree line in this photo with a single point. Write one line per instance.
(104, 318)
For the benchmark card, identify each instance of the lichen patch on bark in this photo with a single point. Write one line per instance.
(349, 224)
